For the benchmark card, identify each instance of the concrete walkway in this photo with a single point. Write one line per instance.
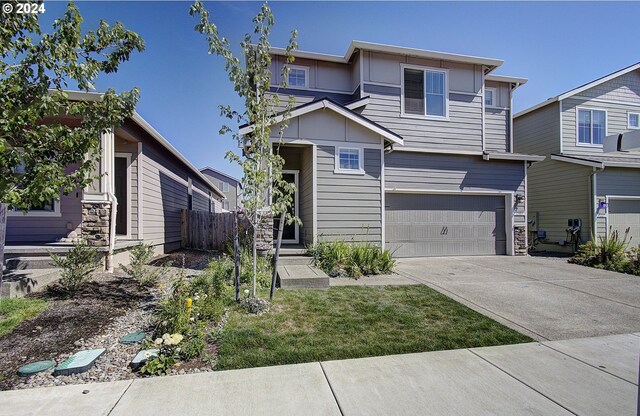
(545, 298)
(594, 376)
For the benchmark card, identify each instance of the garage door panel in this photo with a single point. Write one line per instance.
(623, 214)
(440, 225)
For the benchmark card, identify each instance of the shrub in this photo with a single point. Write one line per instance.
(167, 355)
(139, 258)
(77, 266)
(607, 253)
(340, 258)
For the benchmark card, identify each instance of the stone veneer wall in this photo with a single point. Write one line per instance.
(95, 223)
(520, 240)
(265, 232)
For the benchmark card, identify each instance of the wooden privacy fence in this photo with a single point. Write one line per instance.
(202, 230)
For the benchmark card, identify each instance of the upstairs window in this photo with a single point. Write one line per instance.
(425, 92)
(490, 97)
(633, 120)
(592, 126)
(349, 160)
(298, 77)
(224, 186)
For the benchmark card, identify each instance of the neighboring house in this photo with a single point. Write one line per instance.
(147, 178)
(578, 180)
(230, 187)
(407, 148)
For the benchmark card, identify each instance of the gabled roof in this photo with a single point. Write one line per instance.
(400, 50)
(219, 173)
(580, 89)
(327, 103)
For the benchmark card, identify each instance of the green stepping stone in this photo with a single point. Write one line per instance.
(132, 338)
(142, 357)
(78, 362)
(36, 367)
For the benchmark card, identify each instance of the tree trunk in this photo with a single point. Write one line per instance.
(255, 255)
(3, 233)
(236, 255)
(277, 255)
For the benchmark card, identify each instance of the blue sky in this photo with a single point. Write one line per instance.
(558, 46)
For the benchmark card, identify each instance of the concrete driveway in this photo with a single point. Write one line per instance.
(545, 298)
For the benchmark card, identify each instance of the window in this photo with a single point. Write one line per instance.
(490, 95)
(224, 186)
(633, 120)
(49, 208)
(225, 205)
(425, 92)
(592, 126)
(298, 77)
(349, 160)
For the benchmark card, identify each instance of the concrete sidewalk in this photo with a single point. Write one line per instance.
(591, 376)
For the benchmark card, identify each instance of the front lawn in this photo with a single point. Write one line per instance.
(352, 322)
(13, 311)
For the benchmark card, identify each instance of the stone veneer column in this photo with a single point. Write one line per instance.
(95, 223)
(265, 232)
(520, 240)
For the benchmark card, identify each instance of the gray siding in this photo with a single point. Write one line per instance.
(559, 191)
(538, 132)
(323, 75)
(417, 171)
(349, 206)
(615, 182)
(616, 123)
(496, 130)
(306, 195)
(623, 88)
(232, 195)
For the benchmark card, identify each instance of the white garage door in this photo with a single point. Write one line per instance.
(623, 214)
(445, 225)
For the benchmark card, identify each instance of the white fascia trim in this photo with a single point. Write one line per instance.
(622, 164)
(165, 143)
(505, 78)
(358, 104)
(309, 55)
(513, 156)
(444, 191)
(583, 162)
(598, 81)
(438, 151)
(328, 104)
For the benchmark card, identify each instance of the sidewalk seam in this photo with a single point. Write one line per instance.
(453, 295)
(589, 364)
(121, 396)
(520, 381)
(331, 388)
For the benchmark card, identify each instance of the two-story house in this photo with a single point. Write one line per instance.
(578, 180)
(230, 187)
(407, 148)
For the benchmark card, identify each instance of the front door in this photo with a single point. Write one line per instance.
(290, 231)
(122, 194)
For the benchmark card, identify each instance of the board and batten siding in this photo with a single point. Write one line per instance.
(349, 206)
(615, 182)
(538, 132)
(557, 192)
(455, 173)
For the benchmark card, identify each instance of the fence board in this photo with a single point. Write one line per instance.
(202, 230)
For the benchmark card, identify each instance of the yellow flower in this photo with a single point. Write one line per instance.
(158, 341)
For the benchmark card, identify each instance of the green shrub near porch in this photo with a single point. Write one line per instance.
(351, 259)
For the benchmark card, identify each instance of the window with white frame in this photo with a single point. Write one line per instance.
(225, 205)
(592, 126)
(633, 120)
(224, 186)
(47, 208)
(298, 77)
(349, 160)
(425, 92)
(490, 97)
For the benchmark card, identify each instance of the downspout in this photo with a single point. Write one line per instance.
(593, 212)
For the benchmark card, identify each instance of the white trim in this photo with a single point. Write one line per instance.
(511, 149)
(472, 94)
(139, 159)
(494, 97)
(314, 179)
(361, 70)
(127, 157)
(324, 104)
(358, 104)
(383, 84)
(438, 151)
(526, 204)
(305, 69)
(508, 207)
(296, 204)
(512, 156)
(383, 209)
(38, 213)
(348, 146)
(561, 126)
(505, 78)
(446, 93)
(482, 109)
(629, 114)
(590, 163)
(606, 126)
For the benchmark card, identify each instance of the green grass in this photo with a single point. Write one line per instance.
(15, 310)
(352, 322)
